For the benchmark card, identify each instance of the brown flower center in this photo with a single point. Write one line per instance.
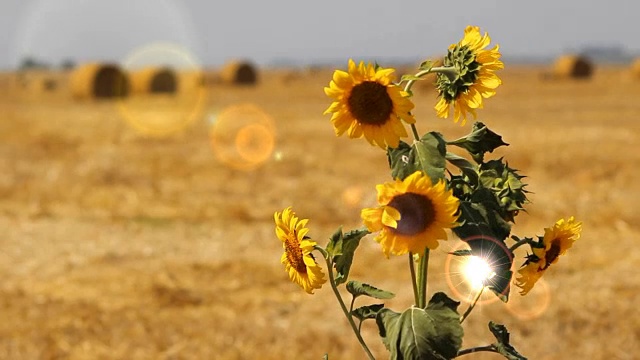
(294, 253)
(552, 254)
(416, 213)
(370, 103)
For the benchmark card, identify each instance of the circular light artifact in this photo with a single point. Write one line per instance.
(169, 90)
(242, 136)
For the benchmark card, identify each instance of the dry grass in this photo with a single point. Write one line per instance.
(119, 246)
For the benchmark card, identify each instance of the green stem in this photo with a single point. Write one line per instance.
(414, 283)
(489, 348)
(345, 311)
(519, 243)
(415, 132)
(475, 301)
(423, 269)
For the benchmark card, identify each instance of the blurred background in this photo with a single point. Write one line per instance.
(144, 147)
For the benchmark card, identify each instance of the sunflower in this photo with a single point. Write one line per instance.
(556, 241)
(367, 103)
(412, 215)
(475, 76)
(297, 258)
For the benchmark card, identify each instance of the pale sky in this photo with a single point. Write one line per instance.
(305, 31)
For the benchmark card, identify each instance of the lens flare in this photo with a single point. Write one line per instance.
(466, 275)
(168, 92)
(242, 136)
(477, 271)
(533, 305)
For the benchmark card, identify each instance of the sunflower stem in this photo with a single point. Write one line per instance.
(414, 283)
(423, 269)
(346, 312)
(489, 348)
(415, 132)
(475, 301)
(519, 243)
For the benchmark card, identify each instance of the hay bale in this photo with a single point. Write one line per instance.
(95, 80)
(154, 80)
(572, 66)
(239, 73)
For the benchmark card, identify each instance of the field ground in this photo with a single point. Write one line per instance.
(117, 245)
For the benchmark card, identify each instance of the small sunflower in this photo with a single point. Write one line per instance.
(556, 241)
(297, 258)
(412, 215)
(475, 78)
(367, 103)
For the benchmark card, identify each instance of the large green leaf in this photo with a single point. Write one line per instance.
(431, 333)
(429, 155)
(399, 162)
(356, 288)
(502, 345)
(426, 155)
(334, 247)
(350, 242)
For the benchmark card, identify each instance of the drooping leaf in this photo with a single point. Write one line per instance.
(429, 155)
(356, 288)
(480, 141)
(431, 333)
(367, 312)
(503, 345)
(350, 242)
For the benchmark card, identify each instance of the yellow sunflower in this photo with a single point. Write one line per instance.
(475, 75)
(367, 103)
(556, 241)
(412, 215)
(297, 258)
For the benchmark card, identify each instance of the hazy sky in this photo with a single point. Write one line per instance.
(266, 31)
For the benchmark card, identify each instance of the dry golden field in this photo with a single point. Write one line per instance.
(118, 245)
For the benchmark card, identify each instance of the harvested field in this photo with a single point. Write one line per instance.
(117, 245)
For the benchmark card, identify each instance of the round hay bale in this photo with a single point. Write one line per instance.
(239, 73)
(572, 66)
(154, 80)
(95, 80)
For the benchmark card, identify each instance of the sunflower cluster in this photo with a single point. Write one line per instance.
(433, 192)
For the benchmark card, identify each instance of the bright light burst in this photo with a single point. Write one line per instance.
(477, 271)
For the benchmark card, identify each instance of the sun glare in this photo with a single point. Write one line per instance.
(477, 272)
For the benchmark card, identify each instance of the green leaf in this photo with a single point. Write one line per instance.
(462, 252)
(467, 168)
(426, 155)
(429, 155)
(426, 65)
(350, 242)
(367, 312)
(503, 346)
(334, 247)
(408, 77)
(387, 321)
(399, 161)
(431, 333)
(356, 288)
(480, 141)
